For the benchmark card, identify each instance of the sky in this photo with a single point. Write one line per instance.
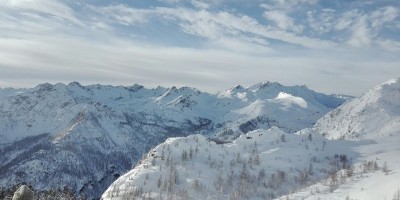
(332, 46)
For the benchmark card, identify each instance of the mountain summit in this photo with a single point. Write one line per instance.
(371, 115)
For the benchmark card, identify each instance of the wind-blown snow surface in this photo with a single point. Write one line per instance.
(260, 165)
(84, 137)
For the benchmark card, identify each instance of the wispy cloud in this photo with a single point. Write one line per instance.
(389, 45)
(51, 7)
(214, 25)
(283, 21)
(123, 14)
(288, 5)
(355, 27)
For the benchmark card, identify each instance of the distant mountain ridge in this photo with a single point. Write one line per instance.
(56, 135)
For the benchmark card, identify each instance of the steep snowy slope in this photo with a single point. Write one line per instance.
(84, 137)
(375, 113)
(373, 121)
(263, 164)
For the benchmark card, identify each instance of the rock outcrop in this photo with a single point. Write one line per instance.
(23, 193)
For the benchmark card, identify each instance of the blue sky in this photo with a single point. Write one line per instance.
(331, 46)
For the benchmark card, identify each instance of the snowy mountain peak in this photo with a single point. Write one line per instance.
(388, 91)
(173, 88)
(135, 87)
(368, 116)
(385, 95)
(391, 84)
(234, 90)
(267, 84)
(74, 84)
(393, 81)
(44, 87)
(238, 87)
(188, 90)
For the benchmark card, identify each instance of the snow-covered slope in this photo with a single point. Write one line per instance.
(373, 122)
(84, 137)
(370, 179)
(375, 113)
(263, 164)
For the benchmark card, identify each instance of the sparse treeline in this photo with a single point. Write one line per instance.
(239, 175)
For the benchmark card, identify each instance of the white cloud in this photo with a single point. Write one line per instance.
(170, 1)
(51, 7)
(389, 45)
(200, 4)
(345, 21)
(384, 15)
(213, 25)
(361, 34)
(355, 27)
(321, 22)
(123, 14)
(366, 27)
(288, 5)
(246, 25)
(283, 21)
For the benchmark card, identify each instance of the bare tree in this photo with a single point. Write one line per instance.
(350, 171)
(385, 169)
(396, 195)
(283, 138)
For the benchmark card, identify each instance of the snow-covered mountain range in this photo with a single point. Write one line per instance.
(271, 164)
(84, 137)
